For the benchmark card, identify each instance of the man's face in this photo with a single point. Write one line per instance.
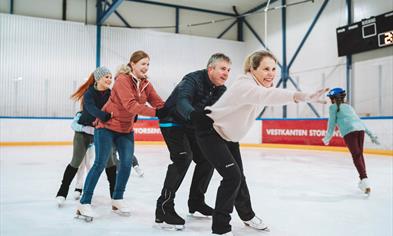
(218, 72)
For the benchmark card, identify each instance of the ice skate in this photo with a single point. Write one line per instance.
(199, 210)
(60, 201)
(168, 219)
(77, 193)
(85, 212)
(138, 171)
(120, 207)
(256, 223)
(364, 186)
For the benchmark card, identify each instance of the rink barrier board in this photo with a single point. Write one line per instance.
(243, 145)
(147, 130)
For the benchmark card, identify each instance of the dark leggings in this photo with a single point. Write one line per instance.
(355, 141)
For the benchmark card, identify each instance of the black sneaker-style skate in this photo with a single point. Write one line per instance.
(202, 208)
(167, 218)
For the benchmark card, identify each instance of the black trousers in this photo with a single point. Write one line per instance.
(183, 148)
(233, 191)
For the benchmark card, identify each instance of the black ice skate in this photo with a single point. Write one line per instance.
(167, 218)
(201, 208)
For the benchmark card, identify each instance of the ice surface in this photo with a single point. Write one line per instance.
(297, 193)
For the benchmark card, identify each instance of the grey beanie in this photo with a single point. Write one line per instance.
(101, 72)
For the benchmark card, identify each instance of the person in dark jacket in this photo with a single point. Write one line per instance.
(93, 94)
(196, 91)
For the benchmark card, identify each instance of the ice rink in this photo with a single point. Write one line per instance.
(296, 192)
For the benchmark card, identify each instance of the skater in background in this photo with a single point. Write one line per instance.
(87, 163)
(88, 159)
(83, 169)
(135, 163)
(138, 170)
(93, 94)
(196, 90)
(130, 93)
(220, 127)
(352, 129)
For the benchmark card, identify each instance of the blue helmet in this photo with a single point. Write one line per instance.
(336, 92)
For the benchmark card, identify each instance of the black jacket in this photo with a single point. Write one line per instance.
(93, 101)
(194, 92)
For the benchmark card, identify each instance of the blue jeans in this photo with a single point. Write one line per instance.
(103, 140)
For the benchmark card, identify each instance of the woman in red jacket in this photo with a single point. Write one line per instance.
(128, 98)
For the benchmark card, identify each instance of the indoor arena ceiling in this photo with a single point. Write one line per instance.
(216, 5)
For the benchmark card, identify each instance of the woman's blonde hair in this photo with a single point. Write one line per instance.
(255, 58)
(135, 57)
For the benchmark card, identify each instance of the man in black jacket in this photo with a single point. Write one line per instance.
(185, 105)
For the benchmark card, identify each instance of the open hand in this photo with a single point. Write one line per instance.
(316, 97)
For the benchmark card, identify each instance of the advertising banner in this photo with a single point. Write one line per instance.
(302, 132)
(147, 130)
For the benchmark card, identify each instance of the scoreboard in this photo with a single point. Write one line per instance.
(368, 34)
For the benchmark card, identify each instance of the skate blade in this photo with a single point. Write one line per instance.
(79, 216)
(121, 213)
(267, 229)
(169, 227)
(198, 215)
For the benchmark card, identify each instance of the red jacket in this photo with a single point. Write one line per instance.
(126, 102)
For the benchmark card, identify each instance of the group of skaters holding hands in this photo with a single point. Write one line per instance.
(202, 121)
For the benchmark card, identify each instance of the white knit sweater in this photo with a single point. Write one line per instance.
(239, 106)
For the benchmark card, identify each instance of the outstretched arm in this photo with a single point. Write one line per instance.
(331, 125)
(311, 97)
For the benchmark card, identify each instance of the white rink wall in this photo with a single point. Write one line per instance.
(47, 130)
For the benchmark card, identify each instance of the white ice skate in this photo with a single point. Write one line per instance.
(138, 171)
(120, 207)
(85, 212)
(77, 194)
(60, 201)
(364, 186)
(256, 223)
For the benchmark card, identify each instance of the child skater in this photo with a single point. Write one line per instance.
(352, 129)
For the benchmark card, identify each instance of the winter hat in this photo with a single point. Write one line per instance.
(100, 72)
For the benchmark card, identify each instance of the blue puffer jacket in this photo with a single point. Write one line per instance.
(194, 92)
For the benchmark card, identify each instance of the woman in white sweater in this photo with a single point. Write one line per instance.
(227, 121)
